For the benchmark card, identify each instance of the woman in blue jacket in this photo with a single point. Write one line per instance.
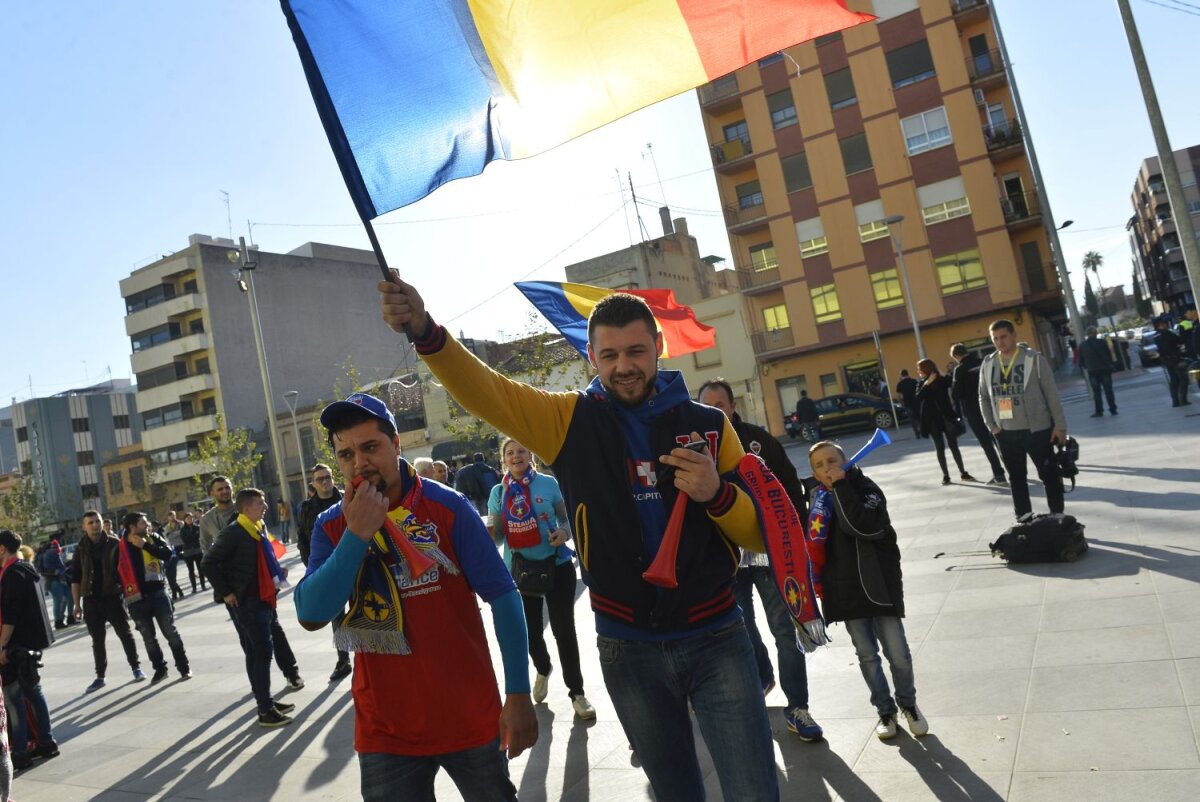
(529, 516)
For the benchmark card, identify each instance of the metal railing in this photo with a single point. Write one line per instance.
(720, 89)
(1020, 206)
(750, 278)
(731, 151)
(985, 65)
(736, 216)
(1002, 135)
(967, 5)
(774, 340)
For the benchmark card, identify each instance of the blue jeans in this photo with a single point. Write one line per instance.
(37, 700)
(481, 775)
(868, 635)
(152, 608)
(793, 673)
(253, 620)
(285, 532)
(60, 591)
(650, 684)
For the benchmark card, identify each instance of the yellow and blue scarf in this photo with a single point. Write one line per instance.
(270, 572)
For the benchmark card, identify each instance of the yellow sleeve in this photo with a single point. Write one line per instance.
(740, 522)
(537, 418)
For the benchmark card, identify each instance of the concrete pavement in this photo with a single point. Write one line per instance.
(1048, 682)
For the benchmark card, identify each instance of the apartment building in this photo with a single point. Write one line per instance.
(1153, 237)
(817, 147)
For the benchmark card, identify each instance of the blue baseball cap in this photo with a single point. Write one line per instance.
(333, 414)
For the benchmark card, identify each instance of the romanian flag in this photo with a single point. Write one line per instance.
(416, 93)
(567, 307)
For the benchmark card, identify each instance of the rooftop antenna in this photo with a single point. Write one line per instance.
(228, 214)
(642, 231)
(654, 161)
(621, 190)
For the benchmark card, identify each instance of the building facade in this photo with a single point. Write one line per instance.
(816, 147)
(1153, 237)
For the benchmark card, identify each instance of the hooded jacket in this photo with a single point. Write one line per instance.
(1038, 396)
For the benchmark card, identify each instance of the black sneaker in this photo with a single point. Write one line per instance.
(45, 751)
(295, 682)
(272, 719)
(21, 762)
(160, 674)
(341, 670)
(284, 707)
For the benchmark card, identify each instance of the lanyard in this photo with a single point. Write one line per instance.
(1006, 371)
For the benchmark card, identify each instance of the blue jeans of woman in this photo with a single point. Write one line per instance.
(481, 775)
(870, 634)
(652, 682)
(60, 592)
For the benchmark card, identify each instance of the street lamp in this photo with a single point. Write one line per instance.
(897, 238)
(289, 398)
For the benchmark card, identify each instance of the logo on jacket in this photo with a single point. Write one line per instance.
(755, 447)
(517, 507)
(421, 534)
(645, 473)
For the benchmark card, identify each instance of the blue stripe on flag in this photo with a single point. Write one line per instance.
(552, 302)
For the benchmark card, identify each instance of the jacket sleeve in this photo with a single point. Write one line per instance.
(537, 418)
(732, 510)
(861, 508)
(213, 564)
(158, 547)
(1045, 378)
(985, 394)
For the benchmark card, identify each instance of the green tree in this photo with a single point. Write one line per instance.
(230, 453)
(1141, 304)
(23, 508)
(348, 382)
(1089, 300)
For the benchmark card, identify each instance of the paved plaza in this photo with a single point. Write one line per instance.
(1048, 682)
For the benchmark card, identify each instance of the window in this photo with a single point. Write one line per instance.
(85, 458)
(22, 435)
(202, 367)
(116, 483)
(783, 109)
(926, 131)
(120, 421)
(749, 195)
(137, 479)
(855, 154)
(208, 406)
(825, 303)
(810, 234)
(840, 87)
(910, 64)
(196, 326)
(813, 247)
(829, 384)
(941, 212)
(737, 130)
(153, 337)
(80, 425)
(827, 38)
(90, 491)
(876, 229)
(869, 217)
(771, 59)
(776, 318)
(1193, 207)
(960, 271)
(189, 286)
(762, 257)
(795, 172)
(886, 286)
(943, 200)
(147, 298)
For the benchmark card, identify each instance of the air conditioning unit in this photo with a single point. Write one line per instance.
(980, 100)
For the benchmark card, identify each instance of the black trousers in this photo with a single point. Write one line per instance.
(940, 439)
(99, 610)
(983, 434)
(1101, 381)
(193, 566)
(561, 601)
(1177, 373)
(1015, 447)
(285, 658)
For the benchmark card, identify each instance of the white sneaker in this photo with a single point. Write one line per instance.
(583, 708)
(886, 728)
(541, 685)
(918, 725)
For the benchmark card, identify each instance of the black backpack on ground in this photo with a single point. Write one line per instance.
(1041, 538)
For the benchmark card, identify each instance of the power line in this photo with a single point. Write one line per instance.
(1183, 8)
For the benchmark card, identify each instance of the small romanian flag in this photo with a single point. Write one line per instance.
(567, 307)
(416, 93)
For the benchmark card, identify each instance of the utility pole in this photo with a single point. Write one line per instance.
(1166, 160)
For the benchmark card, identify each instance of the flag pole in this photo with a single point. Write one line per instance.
(383, 265)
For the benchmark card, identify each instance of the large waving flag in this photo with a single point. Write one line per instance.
(567, 307)
(416, 93)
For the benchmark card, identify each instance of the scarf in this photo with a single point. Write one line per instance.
(783, 535)
(152, 571)
(520, 521)
(817, 533)
(375, 622)
(270, 573)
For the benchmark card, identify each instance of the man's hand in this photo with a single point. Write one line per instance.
(403, 308)
(79, 612)
(695, 472)
(995, 430)
(3, 657)
(136, 540)
(365, 509)
(836, 474)
(231, 600)
(518, 724)
(558, 537)
(1059, 436)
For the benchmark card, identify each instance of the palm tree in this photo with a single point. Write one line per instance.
(1092, 261)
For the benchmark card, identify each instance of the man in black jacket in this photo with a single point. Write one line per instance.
(476, 481)
(96, 587)
(807, 412)
(327, 495)
(25, 632)
(233, 569)
(1098, 363)
(142, 567)
(907, 387)
(1171, 355)
(755, 572)
(964, 392)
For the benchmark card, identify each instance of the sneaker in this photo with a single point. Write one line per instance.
(541, 685)
(45, 751)
(341, 670)
(185, 674)
(1096, 415)
(583, 708)
(272, 718)
(20, 762)
(918, 725)
(1112, 412)
(945, 480)
(295, 682)
(284, 707)
(800, 722)
(160, 674)
(997, 481)
(96, 685)
(886, 728)
(138, 675)
(768, 687)
(966, 477)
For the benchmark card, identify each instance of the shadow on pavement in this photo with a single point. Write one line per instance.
(946, 775)
(813, 769)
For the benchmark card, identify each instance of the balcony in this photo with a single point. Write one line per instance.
(1003, 138)
(740, 220)
(969, 11)
(162, 355)
(733, 153)
(173, 473)
(721, 94)
(766, 342)
(753, 280)
(1021, 210)
(160, 313)
(175, 433)
(170, 393)
(986, 69)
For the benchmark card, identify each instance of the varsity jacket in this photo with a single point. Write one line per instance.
(580, 435)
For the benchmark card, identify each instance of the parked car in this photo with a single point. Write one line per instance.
(1147, 351)
(847, 412)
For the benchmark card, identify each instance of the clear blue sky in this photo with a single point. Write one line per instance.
(124, 121)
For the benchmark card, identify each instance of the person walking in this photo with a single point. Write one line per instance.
(1019, 403)
(190, 551)
(141, 562)
(529, 516)
(964, 392)
(96, 589)
(1171, 354)
(326, 495)
(935, 413)
(53, 569)
(754, 572)
(284, 514)
(171, 531)
(1098, 363)
(808, 416)
(220, 514)
(907, 388)
(476, 482)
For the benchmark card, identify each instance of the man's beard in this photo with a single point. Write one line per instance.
(646, 391)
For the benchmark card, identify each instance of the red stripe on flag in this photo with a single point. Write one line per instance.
(681, 331)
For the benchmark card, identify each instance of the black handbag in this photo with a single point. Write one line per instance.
(533, 577)
(954, 426)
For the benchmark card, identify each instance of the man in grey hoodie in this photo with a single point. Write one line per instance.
(1019, 403)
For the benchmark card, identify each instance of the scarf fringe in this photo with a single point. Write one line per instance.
(371, 641)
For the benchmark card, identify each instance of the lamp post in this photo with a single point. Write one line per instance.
(289, 398)
(897, 238)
